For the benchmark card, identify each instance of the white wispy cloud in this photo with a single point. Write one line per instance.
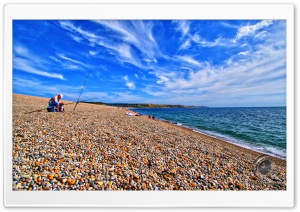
(117, 26)
(136, 33)
(162, 79)
(209, 86)
(228, 25)
(189, 39)
(76, 38)
(149, 60)
(69, 63)
(68, 25)
(185, 45)
(36, 86)
(189, 60)
(122, 52)
(225, 42)
(183, 27)
(261, 35)
(24, 83)
(251, 29)
(70, 66)
(140, 36)
(125, 53)
(129, 83)
(55, 59)
(25, 61)
(24, 65)
(243, 53)
(62, 56)
(217, 42)
(93, 52)
(254, 73)
(186, 38)
(21, 50)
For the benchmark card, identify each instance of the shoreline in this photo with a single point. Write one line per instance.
(270, 154)
(278, 159)
(101, 148)
(227, 141)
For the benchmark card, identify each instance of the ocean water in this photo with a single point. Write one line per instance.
(262, 129)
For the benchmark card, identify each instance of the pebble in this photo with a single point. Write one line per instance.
(100, 148)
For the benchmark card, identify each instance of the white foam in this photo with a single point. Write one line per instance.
(272, 151)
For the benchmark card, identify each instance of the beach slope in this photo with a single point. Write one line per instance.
(101, 148)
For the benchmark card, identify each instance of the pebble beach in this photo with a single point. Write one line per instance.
(99, 147)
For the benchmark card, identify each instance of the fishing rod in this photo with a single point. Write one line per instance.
(39, 110)
(82, 90)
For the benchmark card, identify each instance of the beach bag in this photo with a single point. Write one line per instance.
(51, 109)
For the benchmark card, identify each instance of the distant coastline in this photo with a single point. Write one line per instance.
(139, 105)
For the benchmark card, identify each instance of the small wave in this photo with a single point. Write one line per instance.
(275, 151)
(272, 151)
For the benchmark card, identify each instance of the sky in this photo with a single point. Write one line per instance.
(214, 63)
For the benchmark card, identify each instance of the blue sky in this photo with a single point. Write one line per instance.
(192, 62)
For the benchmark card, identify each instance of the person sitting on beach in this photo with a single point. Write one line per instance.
(136, 114)
(55, 102)
(132, 114)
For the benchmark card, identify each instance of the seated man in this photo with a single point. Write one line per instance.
(55, 102)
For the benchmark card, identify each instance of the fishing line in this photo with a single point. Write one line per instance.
(82, 90)
(84, 101)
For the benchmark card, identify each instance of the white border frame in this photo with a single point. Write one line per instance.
(147, 198)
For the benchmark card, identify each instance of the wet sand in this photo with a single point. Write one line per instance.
(101, 148)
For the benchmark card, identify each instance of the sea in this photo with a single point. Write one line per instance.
(262, 129)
